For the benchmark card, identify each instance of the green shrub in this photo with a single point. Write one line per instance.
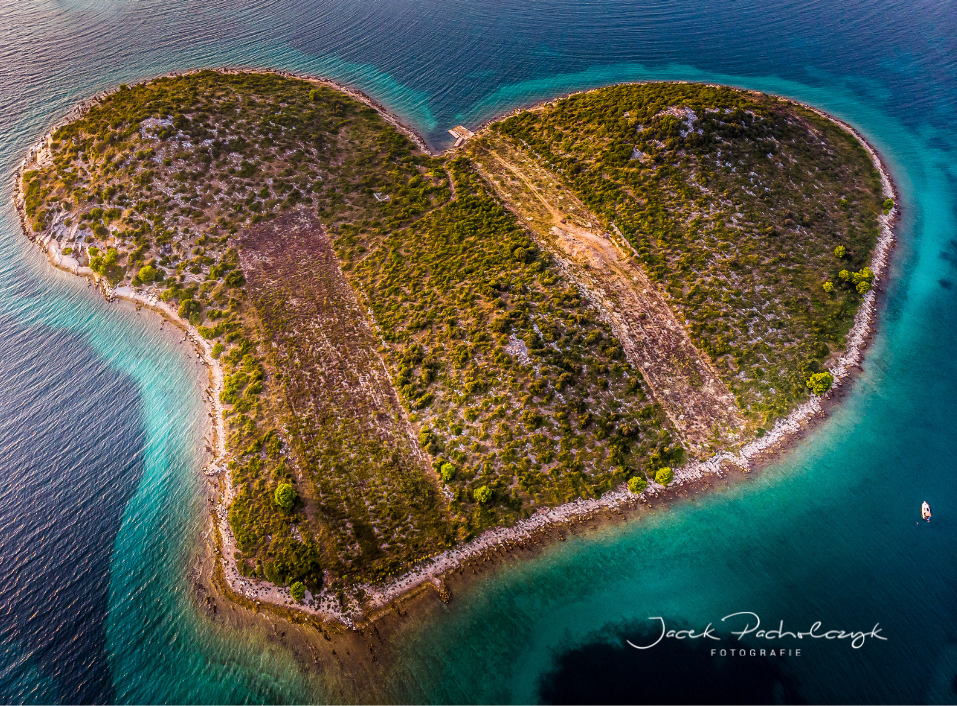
(147, 274)
(820, 382)
(839, 252)
(285, 496)
(862, 280)
(864, 275)
(664, 476)
(297, 591)
(888, 205)
(190, 308)
(447, 472)
(637, 484)
(218, 350)
(483, 494)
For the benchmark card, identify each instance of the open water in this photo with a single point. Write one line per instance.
(101, 419)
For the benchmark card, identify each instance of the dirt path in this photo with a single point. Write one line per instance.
(681, 378)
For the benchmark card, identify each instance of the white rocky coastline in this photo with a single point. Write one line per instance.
(326, 605)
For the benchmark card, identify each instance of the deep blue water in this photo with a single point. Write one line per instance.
(101, 415)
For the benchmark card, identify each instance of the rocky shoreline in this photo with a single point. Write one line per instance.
(433, 570)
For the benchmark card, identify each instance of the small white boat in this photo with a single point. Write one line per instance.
(925, 511)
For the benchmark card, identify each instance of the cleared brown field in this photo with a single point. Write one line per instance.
(372, 499)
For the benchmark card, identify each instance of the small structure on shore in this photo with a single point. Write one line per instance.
(461, 134)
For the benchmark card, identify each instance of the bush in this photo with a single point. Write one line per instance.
(828, 287)
(447, 472)
(865, 275)
(297, 591)
(637, 484)
(839, 252)
(483, 494)
(862, 280)
(664, 476)
(147, 274)
(218, 350)
(820, 382)
(888, 205)
(190, 308)
(285, 496)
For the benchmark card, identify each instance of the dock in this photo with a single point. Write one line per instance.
(461, 134)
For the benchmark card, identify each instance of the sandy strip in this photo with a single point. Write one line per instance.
(325, 605)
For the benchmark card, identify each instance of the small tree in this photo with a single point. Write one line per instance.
(664, 476)
(864, 275)
(862, 280)
(286, 496)
(147, 274)
(190, 308)
(820, 382)
(839, 252)
(447, 472)
(637, 484)
(297, 591)
(483, 494)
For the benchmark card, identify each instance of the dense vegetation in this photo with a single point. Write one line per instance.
(151, 188)
(405, 363)
(755, 216)
(517, 387)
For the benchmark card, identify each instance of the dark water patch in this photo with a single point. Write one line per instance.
(610, 671)
(70, 458)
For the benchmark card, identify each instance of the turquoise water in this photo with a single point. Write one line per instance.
(102, 413)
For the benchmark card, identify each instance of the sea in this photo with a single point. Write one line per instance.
(102, 421)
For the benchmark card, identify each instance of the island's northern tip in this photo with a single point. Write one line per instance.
(415, 358)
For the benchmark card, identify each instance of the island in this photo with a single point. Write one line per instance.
(417, 357)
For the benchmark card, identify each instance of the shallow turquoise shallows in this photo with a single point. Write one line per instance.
(102, 421)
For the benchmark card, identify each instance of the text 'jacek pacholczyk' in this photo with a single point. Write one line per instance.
(857, 638)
